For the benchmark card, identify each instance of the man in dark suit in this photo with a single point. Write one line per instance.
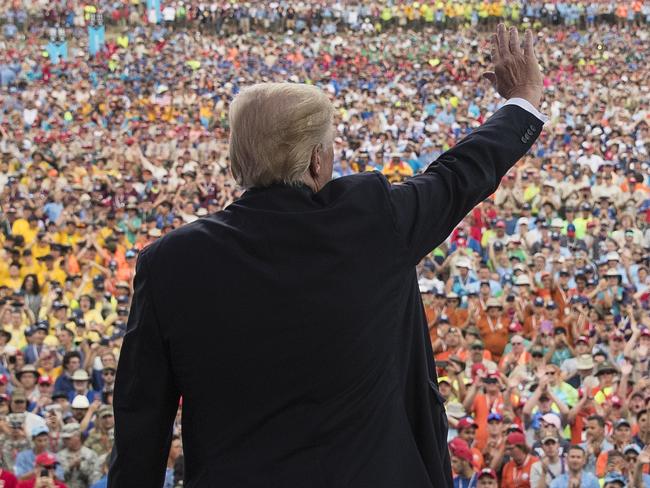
(291, 322)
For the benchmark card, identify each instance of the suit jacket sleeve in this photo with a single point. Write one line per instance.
(146, 398)
(428, 206)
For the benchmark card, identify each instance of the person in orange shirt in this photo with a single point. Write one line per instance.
(477, 355)
(451, 342)
(494, 328)
(457, 316)
(518, 356)
(516, 472)
(483, 398)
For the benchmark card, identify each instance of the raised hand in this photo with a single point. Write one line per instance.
(516, 71)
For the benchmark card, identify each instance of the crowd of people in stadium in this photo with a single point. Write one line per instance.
(538, 304)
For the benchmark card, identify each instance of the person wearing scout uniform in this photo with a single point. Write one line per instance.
(13, 442)
(100, 437)
(80, 464)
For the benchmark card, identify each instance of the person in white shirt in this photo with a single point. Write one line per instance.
(550, 466)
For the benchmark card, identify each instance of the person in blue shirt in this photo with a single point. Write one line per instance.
(26, 460)
(576, 477)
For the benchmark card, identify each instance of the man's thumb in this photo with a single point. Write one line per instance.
(490, 76)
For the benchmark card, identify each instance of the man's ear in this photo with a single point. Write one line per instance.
(314, 164)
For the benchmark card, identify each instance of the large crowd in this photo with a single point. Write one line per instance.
(538, 304)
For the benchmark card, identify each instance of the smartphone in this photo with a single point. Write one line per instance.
(45, 473)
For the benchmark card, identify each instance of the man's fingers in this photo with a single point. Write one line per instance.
(529, 49)
(514, 41)
(502, 40)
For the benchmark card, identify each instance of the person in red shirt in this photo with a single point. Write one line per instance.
(7, 479)
(45, 465)
(516, 472)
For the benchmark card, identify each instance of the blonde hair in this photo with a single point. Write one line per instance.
(274, 128)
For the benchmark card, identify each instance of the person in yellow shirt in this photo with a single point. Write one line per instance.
(46, 365)
(40, 247)
(13, 280)
(30, 231)
(397, 170)
(91, 315)
(20, 226)
(69, 235)
(29, 264)
(19, 319)
(50, 272)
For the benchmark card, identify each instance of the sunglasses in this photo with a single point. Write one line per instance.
(517, 343)
(108, 373)
(550, 443)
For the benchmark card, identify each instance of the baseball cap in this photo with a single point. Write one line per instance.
(68, 430)
(495, 417)
(632, 448)
(39, 430)
(59, 394)
(461, 450)
(621, 422)
(516, 439)
(487, 472)
(554, 420)
(549, 438)
(615, 477)
(466, 423)
(45, 380)
(3, 379)
(46, 459)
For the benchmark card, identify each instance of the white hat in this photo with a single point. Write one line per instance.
(80, 401)
(522, 221)
(557, 222)
(551, 418)
(463, 263)
(613, 256)
(522, 280)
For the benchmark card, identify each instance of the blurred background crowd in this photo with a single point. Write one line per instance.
(538, 303)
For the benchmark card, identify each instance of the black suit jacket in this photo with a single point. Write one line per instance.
(292, 325)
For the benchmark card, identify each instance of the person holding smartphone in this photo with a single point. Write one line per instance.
(45, 476)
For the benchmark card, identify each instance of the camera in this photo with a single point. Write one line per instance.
(45, 472)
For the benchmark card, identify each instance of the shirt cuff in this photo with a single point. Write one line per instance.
(526, 105)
